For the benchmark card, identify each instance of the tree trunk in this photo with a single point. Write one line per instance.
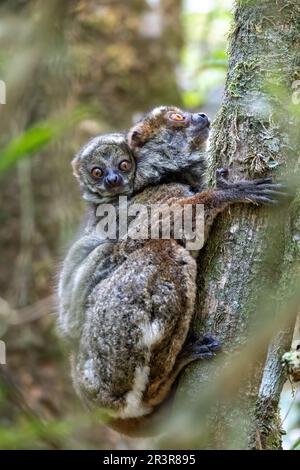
(248, 272)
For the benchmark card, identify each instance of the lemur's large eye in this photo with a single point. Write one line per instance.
(177, 117)
(125, 165)
(97, 172)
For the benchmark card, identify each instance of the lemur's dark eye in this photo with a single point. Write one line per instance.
(125, 165)
(97, 172)
(177, 117)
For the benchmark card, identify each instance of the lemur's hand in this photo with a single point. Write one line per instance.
(259, 191)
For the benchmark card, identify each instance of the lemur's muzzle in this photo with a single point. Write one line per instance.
(113, 179)
(200, 120)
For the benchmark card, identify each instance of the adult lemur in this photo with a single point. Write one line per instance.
(126, 305)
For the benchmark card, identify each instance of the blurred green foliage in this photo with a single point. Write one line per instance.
(202, 72)
(204, 57)
(37, 137)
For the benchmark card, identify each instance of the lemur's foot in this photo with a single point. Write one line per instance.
(204, 347)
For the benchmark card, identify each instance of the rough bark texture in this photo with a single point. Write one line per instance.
(248, 267)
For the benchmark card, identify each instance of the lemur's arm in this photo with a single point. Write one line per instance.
(258, 191)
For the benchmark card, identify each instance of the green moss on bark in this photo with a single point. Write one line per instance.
(247, 269)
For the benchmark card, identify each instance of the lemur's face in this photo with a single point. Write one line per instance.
(169, 127)
(105, 168)
(169, 146)
(166, 142)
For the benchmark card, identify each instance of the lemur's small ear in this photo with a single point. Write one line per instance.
(75, 165)
(134, 139)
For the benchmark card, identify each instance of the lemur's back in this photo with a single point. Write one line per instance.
(137, 320)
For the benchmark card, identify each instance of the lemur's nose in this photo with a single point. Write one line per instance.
(113, 179)
(201, 119)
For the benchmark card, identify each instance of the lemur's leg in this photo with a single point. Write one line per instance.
(194, 349)
(204, 347)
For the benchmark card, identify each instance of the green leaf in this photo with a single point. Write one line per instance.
(36, 138)
(26, 144)
(296, 444)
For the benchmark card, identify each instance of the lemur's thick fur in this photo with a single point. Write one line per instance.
(126, 305)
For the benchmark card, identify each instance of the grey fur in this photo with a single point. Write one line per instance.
(105, 151)
(115, 297)
(126, 306)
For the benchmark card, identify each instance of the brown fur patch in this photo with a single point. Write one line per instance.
(147, 128)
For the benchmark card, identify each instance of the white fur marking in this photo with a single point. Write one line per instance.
(77, 277)
(157, 111)
(133, 407)
(90, 378)
(152, 333)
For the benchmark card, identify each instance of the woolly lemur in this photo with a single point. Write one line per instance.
(126, 305)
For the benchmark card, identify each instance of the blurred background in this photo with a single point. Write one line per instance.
(74, 69)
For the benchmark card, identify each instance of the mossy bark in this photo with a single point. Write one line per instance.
(248, 269)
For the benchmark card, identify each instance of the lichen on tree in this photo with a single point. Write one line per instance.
(249, 270)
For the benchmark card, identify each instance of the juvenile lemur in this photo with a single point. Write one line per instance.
(126, 305)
